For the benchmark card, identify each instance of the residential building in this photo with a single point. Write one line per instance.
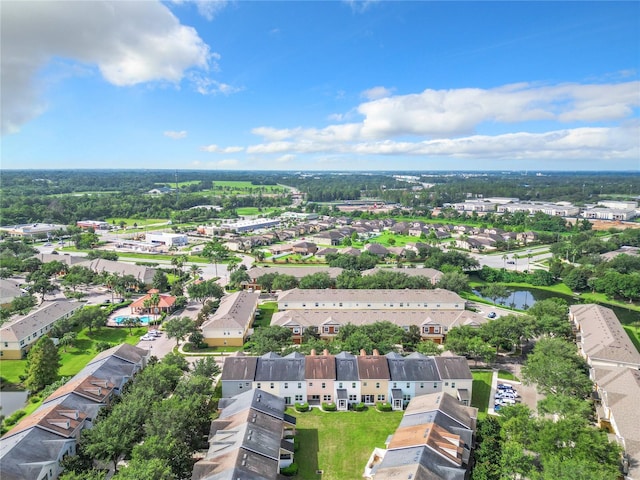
(230, 324)
(456, 377)
(298, 272)
(17, 336)
(601, 338)
(35, 446)
(10, 289)
(320, 374)
(434, 312)
(248, 439)
(433, 441)
(347, 379)
(374, 377)
(412, 376)
(139, 272)
(282, 376)
(238, 374)
(617, 393)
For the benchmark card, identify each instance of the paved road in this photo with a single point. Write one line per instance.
(495, 260)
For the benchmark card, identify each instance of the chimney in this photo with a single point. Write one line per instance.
(325, 352)
(363, 353)
(375, 352)
(313, 352)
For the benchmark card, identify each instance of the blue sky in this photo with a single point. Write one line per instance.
(331, 85)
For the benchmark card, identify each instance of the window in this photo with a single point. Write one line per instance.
(326, 398)
(304, 304)
(435, 385)
(381, 398)
(340, 385)
(272, 386)
(286, 385)
(364, 384)
(353, 398)
(299, 384)
(422, 385)
(316, 304)
(446, 384)
(299, 398)
(406, 398)
(377, 384)
(324, 385)
(395, 385)
(258, 385)
(340, 304)
(296, 329)
(401, 304)
(453, 384)
(311, 384)
(336, 329)
(353, 385)
(325, 329)
(408, 385)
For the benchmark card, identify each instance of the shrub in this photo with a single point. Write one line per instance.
(329, 407)
(35, 399)
(102, 346)
(383, 406)
(14, 417)
(360, 407)
(302, 407)
(290, 471)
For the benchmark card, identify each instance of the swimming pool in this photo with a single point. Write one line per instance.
(144, 320)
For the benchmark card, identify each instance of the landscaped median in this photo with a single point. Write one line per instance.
(347, 440)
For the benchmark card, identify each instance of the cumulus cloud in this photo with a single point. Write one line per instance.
(176, 135)
(217, 149)
(376, 93)
(129, 42)
(285, 158)
(208, 86)
(359, 6)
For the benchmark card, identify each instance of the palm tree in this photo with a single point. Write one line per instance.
(131, 322)
(504, 260)
(195, 271)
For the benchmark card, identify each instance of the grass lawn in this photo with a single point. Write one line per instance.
(632, 331)
(254, 210)
(267, 309)
(340, 443)
(507, 375)
(481, 391)
(140, 222)
(76, 357)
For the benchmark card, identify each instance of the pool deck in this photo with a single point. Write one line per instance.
(122, 312)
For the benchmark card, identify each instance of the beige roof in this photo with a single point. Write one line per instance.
(603, 337)
(141, 273)
(369, 295)
(438, 438)
(315, 318)
(297, 272)
(446, 403)
(21, 328)
(9, 289)
(622, 387)
(235, 311)
(411, 272)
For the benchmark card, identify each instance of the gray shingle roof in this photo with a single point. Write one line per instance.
(346, 367)
(367, 295)
(239, 368)
(414, 368)
(273, 368)
(23, 327)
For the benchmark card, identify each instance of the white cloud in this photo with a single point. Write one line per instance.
(176, 135)
(129, 42)
(217, 149)
(208, 86)
(376, 93)
(285, 158)
(359, 6)
(210, 8)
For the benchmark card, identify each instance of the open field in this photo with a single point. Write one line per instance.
(140, 222)
(244, 211)
(340, 443)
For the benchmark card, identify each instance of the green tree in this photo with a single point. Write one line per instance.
(67, 340)
(454, 281)
(284, 282)
(160, 281)
(555, 367)
(216, 252)
(43, 362)
(179, 328)
(269, 339)
(316, 280)
(203, 291)
(90, 317)
(153, 468)
(428, 347)
(206, 367)
(238, 277)
(131, 323)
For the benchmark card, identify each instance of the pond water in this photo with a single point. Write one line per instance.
(523, 298)
(12, 401)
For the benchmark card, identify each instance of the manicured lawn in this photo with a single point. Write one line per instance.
(507, 375)
(254, 210)
(76, 357)
(140, 222)
(267, 309)
(633, 333)
(481, 391)
(340, 443)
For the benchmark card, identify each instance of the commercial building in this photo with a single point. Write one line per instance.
(168, 239)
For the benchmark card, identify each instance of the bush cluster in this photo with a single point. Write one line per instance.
(384, 406)
(329, 407)
(290, 471)
(360, 407)
(302, 407)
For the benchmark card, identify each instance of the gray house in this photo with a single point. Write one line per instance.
(238, 374)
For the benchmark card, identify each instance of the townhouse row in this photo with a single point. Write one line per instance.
(35, 446)
(346, 379)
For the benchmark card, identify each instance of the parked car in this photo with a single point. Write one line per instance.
(146, 336)
(505, 386)
(503, 396)
(155, 333)
(492, 315)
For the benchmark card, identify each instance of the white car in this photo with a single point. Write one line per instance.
(147, 337)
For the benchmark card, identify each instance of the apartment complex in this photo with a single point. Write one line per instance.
(434, 312)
